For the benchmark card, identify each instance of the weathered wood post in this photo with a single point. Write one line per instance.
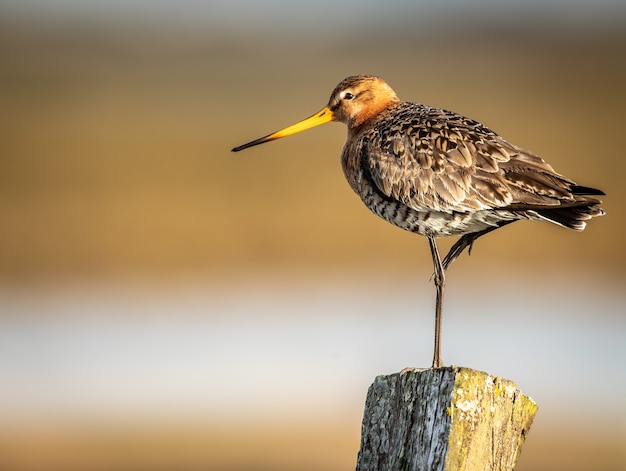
(444, 419)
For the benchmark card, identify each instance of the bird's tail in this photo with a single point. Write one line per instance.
(575, 215)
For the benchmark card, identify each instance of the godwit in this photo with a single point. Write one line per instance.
(437, 173)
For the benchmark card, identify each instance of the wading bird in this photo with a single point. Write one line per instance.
(437, 173)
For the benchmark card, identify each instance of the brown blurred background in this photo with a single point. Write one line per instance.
(166, 304)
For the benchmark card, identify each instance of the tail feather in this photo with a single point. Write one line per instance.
(574, 213)
(572, 217)
(585, 190)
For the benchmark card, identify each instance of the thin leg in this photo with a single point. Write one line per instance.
(440, 280)
(467, 241)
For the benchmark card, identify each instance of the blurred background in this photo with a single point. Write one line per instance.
(165, 304)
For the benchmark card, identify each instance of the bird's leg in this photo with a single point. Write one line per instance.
(440, 280)
(467, 241)
(459, 246)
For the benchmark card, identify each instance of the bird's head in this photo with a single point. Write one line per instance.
(356, 99)
(353, 102)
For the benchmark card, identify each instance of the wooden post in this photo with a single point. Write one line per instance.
(443, 419)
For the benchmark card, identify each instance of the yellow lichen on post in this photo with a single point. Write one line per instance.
(490, 420)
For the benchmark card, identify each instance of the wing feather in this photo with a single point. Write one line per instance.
(444, 162)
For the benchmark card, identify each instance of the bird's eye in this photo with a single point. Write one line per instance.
(348, 96)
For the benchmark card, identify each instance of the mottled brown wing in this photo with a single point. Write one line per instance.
(445, 162)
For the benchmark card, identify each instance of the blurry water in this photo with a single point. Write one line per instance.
(211, 351)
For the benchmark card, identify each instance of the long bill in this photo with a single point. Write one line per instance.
(321, 117)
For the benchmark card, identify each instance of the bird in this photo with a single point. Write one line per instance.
(437, 173)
